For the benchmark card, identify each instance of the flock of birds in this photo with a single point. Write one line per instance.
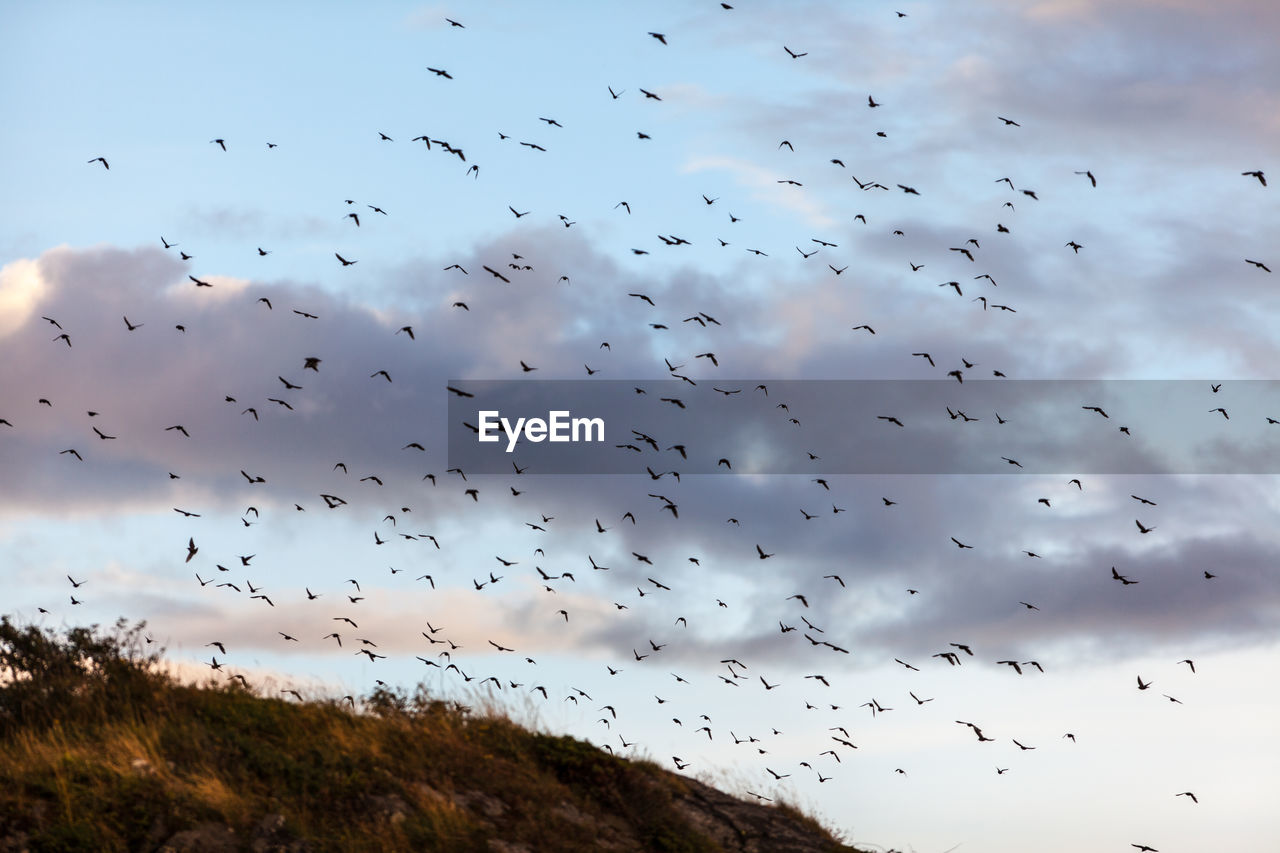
(819, 645)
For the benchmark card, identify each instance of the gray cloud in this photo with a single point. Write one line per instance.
(143, 381)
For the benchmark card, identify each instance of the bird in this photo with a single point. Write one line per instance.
(1259, 264)
(103, 161)
(344, 261)
(1119, 577)
(1008, 121)
(1257, 173)
(795, 55)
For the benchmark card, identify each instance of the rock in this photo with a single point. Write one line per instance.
(269, 825)
(269, 836)
(389, 807)
(497, 846)
(737, 825)
(205, 838)
(611, 834)
(490, 807)
(431, 795)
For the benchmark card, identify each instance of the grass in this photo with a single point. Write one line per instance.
(101, 750)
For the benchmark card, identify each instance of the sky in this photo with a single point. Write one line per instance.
(1126, 127)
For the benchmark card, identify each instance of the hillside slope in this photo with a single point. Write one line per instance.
(100, 750)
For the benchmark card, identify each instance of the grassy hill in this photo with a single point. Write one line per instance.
(101, 750)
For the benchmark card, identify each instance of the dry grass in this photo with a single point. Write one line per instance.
(120, 757)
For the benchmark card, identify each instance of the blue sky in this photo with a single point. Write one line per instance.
(1166, 103)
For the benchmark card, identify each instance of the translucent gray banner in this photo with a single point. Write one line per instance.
(817, 427)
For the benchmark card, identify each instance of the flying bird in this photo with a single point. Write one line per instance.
(1119, 577)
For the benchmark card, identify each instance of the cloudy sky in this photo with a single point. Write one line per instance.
(760, 206)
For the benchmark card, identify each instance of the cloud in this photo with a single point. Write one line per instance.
(21, 290)
(768, 186)
(427, 18)
(141, 382)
